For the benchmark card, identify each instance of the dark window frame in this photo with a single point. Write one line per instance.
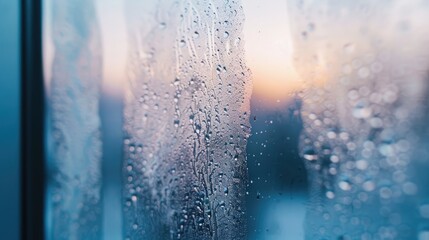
(32, 122)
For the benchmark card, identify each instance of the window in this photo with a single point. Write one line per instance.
(228, 119)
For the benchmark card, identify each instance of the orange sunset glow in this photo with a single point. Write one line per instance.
(268, 48)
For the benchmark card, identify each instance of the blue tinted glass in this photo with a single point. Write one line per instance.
(9, 115)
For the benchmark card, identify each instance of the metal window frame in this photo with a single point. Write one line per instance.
(32, 122)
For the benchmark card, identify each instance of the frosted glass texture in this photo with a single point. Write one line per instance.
(74, 146)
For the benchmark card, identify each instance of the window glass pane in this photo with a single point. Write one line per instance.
(234, 119)
(74, 145)
(364, 66)
(186, 121)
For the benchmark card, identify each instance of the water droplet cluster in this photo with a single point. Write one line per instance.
(363, 107)
(186, 122)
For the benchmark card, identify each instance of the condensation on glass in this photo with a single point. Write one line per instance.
(73, 197)
(365, 67)
(186, 121)
(363, 101)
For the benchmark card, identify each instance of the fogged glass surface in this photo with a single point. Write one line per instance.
(186, 121)
(74, 146)
(292, 119)
(364, 66)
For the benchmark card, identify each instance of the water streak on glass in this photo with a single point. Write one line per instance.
(74, 123)
(186, 121)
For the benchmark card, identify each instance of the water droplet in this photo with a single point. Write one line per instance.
(330, 194)
(182, 43)
(176, 82)
(176, 123)
(310, 154)
(385, 192)
(390, 95)
(409, 188)
(131, 148)
(237, 41)
(424, 210)
(344, 185)
(200, 221)
(196, 34)
(387, 149)
(218, 69)
(129, 168)
(363, 72)
(334, 159)
(361, 164)
(368, 186)
(376, 122)
(331, 135)
(361, 110)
